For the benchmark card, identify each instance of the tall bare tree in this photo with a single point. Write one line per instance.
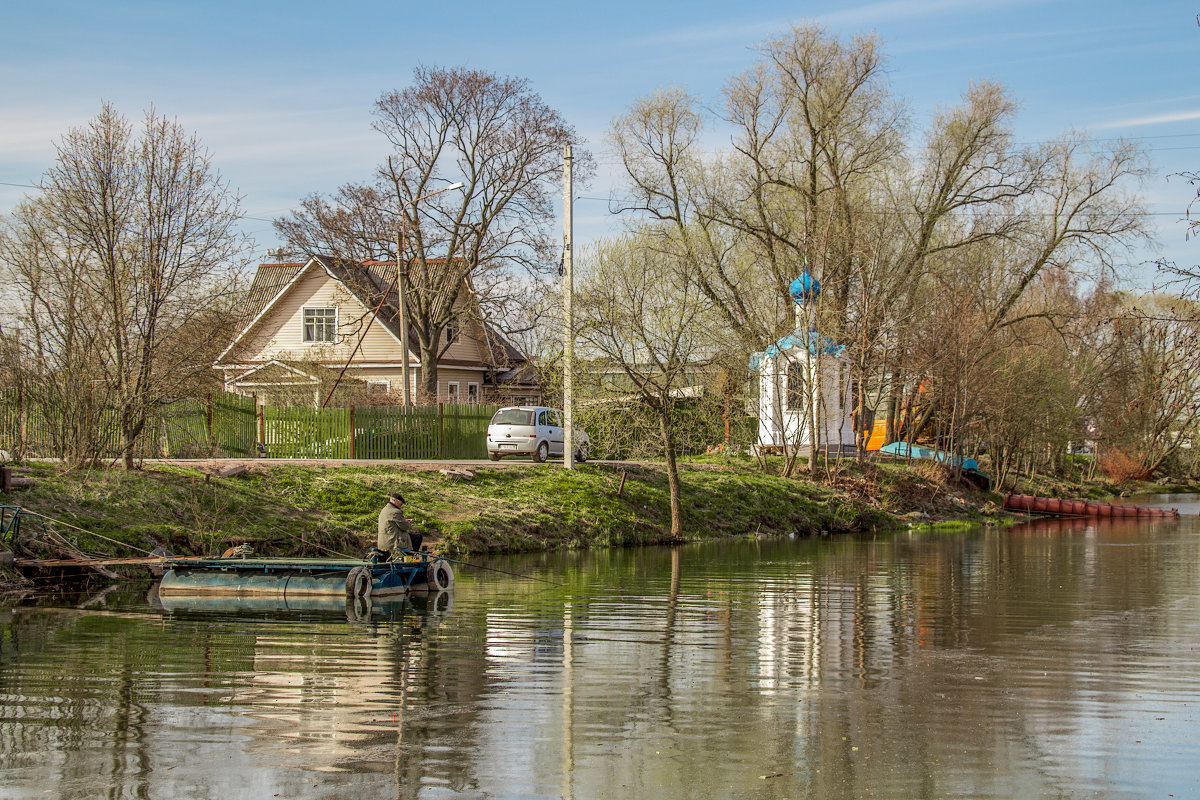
(817, 179)
(120, 264)
(650, 322)
(500, 139)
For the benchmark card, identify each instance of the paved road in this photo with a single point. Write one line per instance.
(342, 462)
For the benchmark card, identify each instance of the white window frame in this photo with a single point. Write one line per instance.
(304, 323)
(452, 394)
(380, 383)
(473, 393)
(452, 332)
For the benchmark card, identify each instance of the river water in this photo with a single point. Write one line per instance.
(1044, 660)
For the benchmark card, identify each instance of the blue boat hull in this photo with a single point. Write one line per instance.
(303, 577)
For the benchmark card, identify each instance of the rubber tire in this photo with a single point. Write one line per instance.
(438, 576)
(494, 456)
(440, 603)
(581, 453)
(358, 609)
(542, 453)
(358, 582)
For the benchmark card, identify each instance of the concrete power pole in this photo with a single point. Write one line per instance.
(568, 315)
(401, 301)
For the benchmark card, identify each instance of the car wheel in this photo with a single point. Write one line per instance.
(581, 454)
(494, 456)
(542, 453)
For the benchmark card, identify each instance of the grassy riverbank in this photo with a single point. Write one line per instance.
(291, 509)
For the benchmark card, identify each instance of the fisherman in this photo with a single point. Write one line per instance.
(396, 535)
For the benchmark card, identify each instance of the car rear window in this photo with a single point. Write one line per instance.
(512, 416)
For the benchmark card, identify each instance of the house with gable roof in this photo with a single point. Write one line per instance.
(304, 321)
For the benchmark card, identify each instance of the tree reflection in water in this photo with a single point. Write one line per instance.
(1050, 658)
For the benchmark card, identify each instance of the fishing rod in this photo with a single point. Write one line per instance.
(481, 566)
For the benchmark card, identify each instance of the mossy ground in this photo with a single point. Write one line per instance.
(291, 509)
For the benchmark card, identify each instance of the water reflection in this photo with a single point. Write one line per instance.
(1045, 659)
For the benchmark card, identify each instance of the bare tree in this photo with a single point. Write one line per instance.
(120, 264)
(1148, 404)
(505, 144)
(817, 179)
(650, 322)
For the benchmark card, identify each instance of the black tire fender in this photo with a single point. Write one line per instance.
(358, 609)
(439, 576)
(358, 582)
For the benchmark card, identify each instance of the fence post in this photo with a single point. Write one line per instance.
(209, 409)
(22, 432)
(260, 413)
(441, 431)
(352, 431)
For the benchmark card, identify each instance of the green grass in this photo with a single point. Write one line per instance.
(291, 510)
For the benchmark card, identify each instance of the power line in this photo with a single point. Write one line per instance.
(626, 201)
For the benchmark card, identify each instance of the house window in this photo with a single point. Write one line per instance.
(320, 324)
(472, 393)
(451, 332)
(795, 387)
(452, 391)
(379, 387)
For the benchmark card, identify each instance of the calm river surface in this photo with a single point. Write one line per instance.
(1047, 660)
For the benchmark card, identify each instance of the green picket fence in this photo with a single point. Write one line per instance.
(228, 425)
(464, 430)
(377, 432)
(234, 428)
(220, 425)
(25, 429)
(306, 432)
(396, 432)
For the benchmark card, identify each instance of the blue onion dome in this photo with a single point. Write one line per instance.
(806, 287)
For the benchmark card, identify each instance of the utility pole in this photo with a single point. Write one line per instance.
(568, 315)
(401, 298)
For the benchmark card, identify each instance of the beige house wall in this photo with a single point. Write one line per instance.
(280, 333)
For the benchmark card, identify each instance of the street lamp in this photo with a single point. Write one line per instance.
(402, 291)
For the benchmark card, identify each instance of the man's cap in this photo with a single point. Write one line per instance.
(399, 498)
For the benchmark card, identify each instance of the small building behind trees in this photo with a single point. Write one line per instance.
(804, 385)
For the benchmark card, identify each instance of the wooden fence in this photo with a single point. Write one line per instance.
(229, 425)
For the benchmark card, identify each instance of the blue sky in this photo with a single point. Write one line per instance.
(281, 92)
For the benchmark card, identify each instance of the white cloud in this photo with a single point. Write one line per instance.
(1152, 119)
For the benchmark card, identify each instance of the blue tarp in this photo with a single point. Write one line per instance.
(906, 450)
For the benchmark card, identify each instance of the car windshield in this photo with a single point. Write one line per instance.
(512, 416)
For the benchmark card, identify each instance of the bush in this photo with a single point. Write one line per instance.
(1119, 467)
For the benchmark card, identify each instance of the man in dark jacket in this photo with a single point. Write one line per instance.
(396, 535)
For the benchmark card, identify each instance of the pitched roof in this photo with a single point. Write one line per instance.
(269, 281)
(810, 340)
(366, 281)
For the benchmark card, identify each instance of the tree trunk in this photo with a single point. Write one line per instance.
(664, 426)
(427, 387)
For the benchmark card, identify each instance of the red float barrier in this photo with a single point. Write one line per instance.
(1054, 506)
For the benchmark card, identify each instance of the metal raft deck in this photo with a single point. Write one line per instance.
(303, 577)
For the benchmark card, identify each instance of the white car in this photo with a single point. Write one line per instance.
(534, 431)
